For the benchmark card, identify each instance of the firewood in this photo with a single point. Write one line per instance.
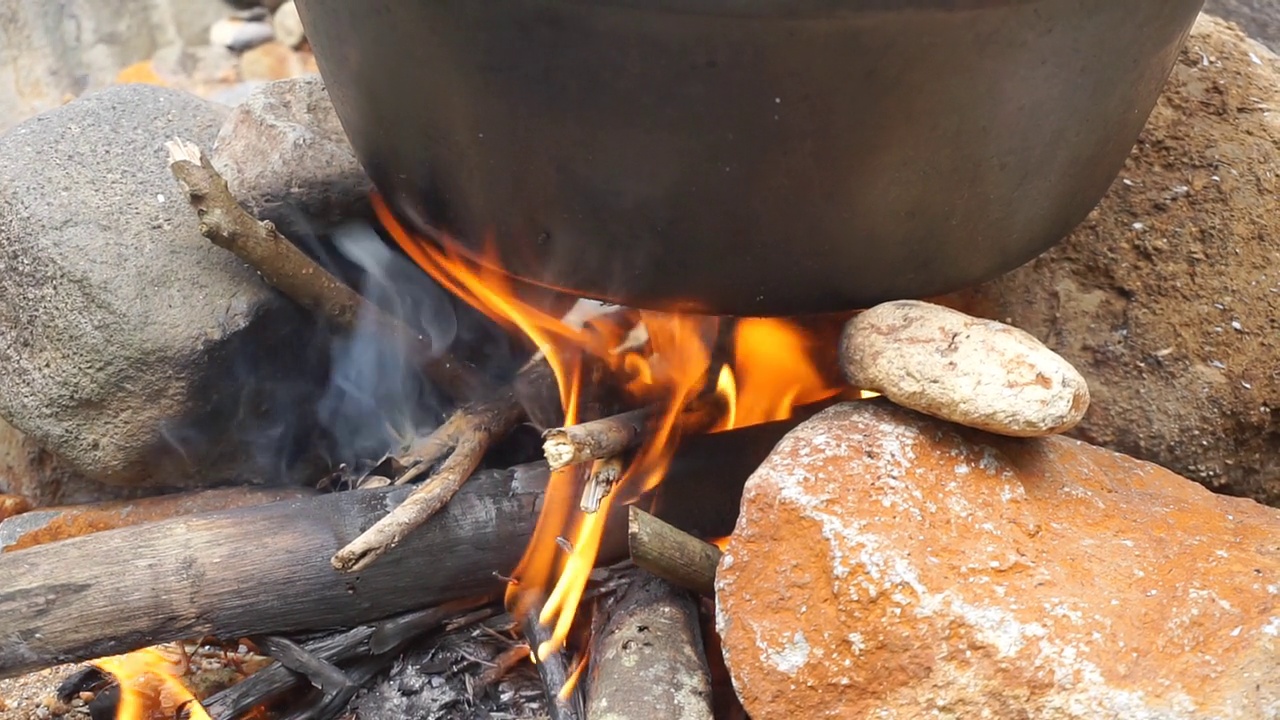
(266, 569)
(609, 436)
(647, 658)
(672, 554)
(229, 226)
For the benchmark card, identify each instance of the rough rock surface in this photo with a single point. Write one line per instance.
(889, 565)
(31, 472)
(1259, 18)
(130, 346)
(50, 51)
(1167, 299)
(285, 156)
(979, 373)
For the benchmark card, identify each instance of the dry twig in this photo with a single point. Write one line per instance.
(457, 447)
(672, 554)
(564, 700)
(229, 226)
(615, 434)
(461, 442)
(604, 475)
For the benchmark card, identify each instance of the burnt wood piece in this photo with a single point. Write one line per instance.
(564, 701)
(266, 570)
(286, 268)
(647, 658)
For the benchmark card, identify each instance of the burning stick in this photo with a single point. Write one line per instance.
(462, 442)
(610, 436)
(564, 699)
(672, 554)
(225, 222)
(647, 660)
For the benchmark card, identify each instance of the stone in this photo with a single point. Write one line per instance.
(41, 478)
(1167, 297)
(1259, 18)
(288, 24)
(887, 564)
(11, 505)
(238, 35)
(271, 61)
(131, 347)
(979, 373)
(286, 157)
(50, 52)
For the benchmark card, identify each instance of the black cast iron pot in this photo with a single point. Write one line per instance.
(747, 157)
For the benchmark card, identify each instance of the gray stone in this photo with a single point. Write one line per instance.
(286, 157)
(50, 51)
(42, 478)
(131, 346)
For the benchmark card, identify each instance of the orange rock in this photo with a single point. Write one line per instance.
(140, 72)
(11, 505)
(270, 61)
(889, 565)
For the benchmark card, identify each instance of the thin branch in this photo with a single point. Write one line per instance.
(229, 226)
(613, 435)
(462, 442)
(554, 672)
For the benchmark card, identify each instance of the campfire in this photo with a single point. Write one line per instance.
(493, 497)
(617, 394)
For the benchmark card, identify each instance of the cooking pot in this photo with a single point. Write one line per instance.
(746, 157)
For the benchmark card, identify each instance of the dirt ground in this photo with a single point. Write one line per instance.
(1168, 297)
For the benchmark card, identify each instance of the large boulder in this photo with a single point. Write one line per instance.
(890, 565)
(131, 346)
(1167, 298)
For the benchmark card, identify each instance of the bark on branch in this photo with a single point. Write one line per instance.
(647, 660)
(229, 226)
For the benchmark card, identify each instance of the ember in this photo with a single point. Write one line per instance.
(150, 688)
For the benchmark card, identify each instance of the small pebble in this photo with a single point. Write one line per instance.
(974, 372)
(240, 35)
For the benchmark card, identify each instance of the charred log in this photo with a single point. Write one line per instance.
(266, 569)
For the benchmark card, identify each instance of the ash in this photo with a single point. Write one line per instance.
(444, 677)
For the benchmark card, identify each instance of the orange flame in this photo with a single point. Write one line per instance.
(768, 374)
(150, 687)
